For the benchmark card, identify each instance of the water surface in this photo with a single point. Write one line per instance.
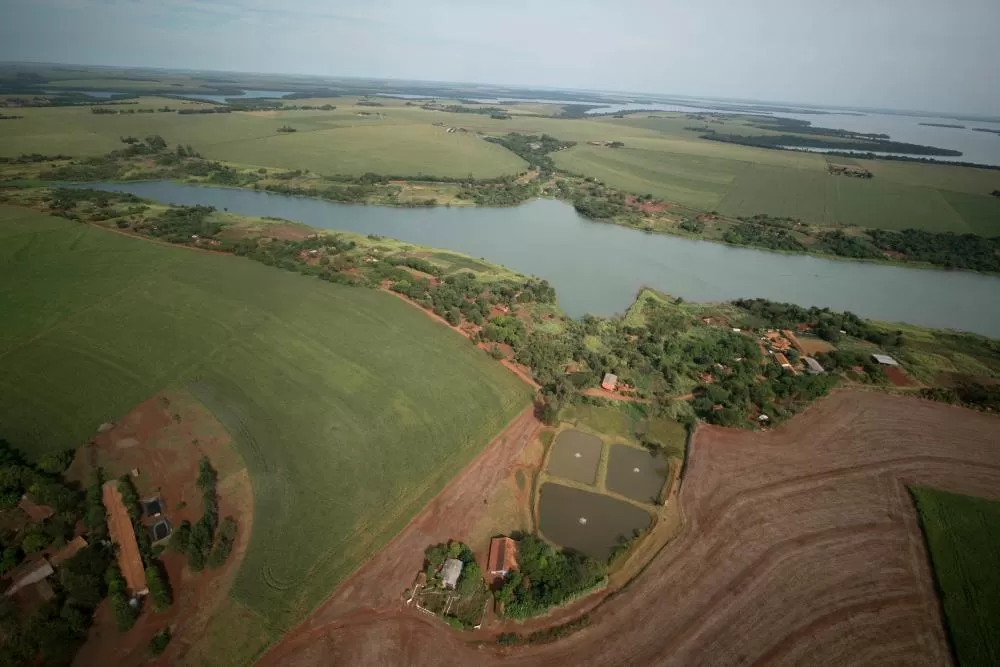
(598, 268)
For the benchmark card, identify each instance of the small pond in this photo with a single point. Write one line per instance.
(575, 455)
(636, 473)
(591, 523)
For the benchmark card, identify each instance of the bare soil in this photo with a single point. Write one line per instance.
(800, 546)
(164, 438)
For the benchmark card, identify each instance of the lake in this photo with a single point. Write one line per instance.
(598, 268)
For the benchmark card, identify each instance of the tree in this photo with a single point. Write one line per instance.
(159, 589)
(11, 558)
(223, 542)
(158, 644)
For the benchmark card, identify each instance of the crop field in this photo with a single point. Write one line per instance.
(661, 158)
(963, 535)
(350, 407)
(404, 142)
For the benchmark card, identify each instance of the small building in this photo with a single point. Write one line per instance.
(152, 507)
(885, 360)
(27, 574)
(450, 572)
(814, 366)
(122, 533)
(503, 556)
(610, 382)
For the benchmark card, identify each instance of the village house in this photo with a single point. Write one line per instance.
(503, 557)
(813, 366)
(27, 574)
(782, 361)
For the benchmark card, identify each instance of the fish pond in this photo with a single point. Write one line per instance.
(575, 455)
(591, 523)
(636, 473)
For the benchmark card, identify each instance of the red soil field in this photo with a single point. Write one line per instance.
(801, 546)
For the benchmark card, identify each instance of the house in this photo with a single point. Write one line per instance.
(814, 366)
(75, 546)
(610, 382)
(27, 574)
(782, 360)
(885, 360)
(450, 572)
(503, 556)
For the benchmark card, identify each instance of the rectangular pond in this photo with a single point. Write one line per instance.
(591, 523)
(636, 473)
(575, 455)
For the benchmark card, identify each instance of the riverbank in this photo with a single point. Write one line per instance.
(590, 197)
(722, 357)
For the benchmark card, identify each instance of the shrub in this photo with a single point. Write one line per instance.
(223, 542)
(159, 589)
(158, 644)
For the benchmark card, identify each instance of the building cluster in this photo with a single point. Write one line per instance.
(779, 343)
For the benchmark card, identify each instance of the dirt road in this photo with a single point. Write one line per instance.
(801, 547)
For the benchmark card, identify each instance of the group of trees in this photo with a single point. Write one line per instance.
(828, 324)
(533, 149)
(953, 251)
(545, 578)
(801, 140)
(52, 633)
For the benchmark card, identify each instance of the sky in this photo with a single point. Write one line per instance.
(902, 54)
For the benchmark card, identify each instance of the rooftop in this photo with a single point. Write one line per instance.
(503, 555)
(885, 359)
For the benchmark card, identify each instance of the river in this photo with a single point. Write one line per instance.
(597, 267)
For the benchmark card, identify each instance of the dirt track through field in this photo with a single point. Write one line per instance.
(801, 547)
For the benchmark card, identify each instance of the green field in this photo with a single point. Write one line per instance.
(963, 536)
(350, 407)
(403, 142)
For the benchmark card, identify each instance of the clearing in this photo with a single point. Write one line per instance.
(802, 545)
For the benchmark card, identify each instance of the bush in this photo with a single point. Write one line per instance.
(223, 542)
(180, 538)
(158, 644)
(159, 589)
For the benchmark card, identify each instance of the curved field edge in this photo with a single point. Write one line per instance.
(963, 538)
(350, 407)
(800, 545)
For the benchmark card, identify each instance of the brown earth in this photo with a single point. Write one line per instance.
(163, 438)
(801, 546)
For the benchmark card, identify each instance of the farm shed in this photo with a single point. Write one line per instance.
(160, 530)
(123, 534)
(28, 574)
(503, 556)
(885, 360)
(450, 572)
(814, 366)
(610, 382)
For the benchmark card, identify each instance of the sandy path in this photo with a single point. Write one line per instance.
(801, 547)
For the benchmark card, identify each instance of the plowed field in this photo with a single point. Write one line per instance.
(801, 546)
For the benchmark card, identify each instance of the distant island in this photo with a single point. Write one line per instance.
(986, 129)
(957, 127)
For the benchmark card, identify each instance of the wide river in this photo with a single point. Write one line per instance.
(597, 267)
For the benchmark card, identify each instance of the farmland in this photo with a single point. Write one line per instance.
(323, 387)
(963, 536)
(802, 545)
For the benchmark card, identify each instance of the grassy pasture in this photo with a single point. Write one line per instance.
(350, 407)
(963, 537)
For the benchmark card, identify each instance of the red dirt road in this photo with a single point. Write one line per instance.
(801, 547)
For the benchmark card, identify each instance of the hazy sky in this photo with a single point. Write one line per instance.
(910, 54)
